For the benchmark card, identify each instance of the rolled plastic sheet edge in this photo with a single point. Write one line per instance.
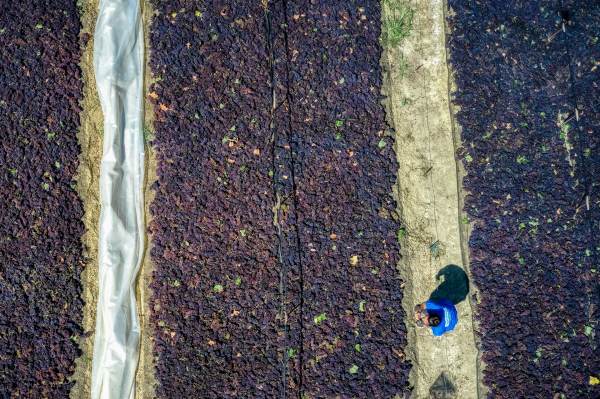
(118, 68)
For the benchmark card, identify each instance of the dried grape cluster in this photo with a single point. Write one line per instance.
(274, 231)
(530, 164)
(584, 50)
(216, 283)
(40, 218)
(351, 319)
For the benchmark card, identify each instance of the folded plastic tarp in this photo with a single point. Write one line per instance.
(118, 67)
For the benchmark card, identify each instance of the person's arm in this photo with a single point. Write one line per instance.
(421, 308)
(432, 305)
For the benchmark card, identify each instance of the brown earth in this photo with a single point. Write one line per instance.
(429, 193)
(145, 382)
(90, 139)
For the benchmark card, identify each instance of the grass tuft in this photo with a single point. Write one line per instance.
(148, 135)
(399, 22)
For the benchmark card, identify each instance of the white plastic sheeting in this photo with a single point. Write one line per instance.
(118, 67)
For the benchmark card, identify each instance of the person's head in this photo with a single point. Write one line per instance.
(434, 320)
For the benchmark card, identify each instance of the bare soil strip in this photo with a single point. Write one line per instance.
(432, 246)
(145, 381)
(88, 188)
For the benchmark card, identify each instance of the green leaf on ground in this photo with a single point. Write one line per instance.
(218, 288)
(321, 318)
(353, 369)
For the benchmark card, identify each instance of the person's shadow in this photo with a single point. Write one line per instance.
(455, 286)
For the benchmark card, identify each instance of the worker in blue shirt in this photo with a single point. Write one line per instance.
(440, 315)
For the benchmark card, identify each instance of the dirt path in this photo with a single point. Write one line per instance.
(145, 381)
(90, 140)
(433, 248)
(88, 188)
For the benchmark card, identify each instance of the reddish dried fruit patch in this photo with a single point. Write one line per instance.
(241, 315)
(40, 218)
(533, 242)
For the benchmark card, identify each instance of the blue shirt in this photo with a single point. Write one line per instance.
(446, 310)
